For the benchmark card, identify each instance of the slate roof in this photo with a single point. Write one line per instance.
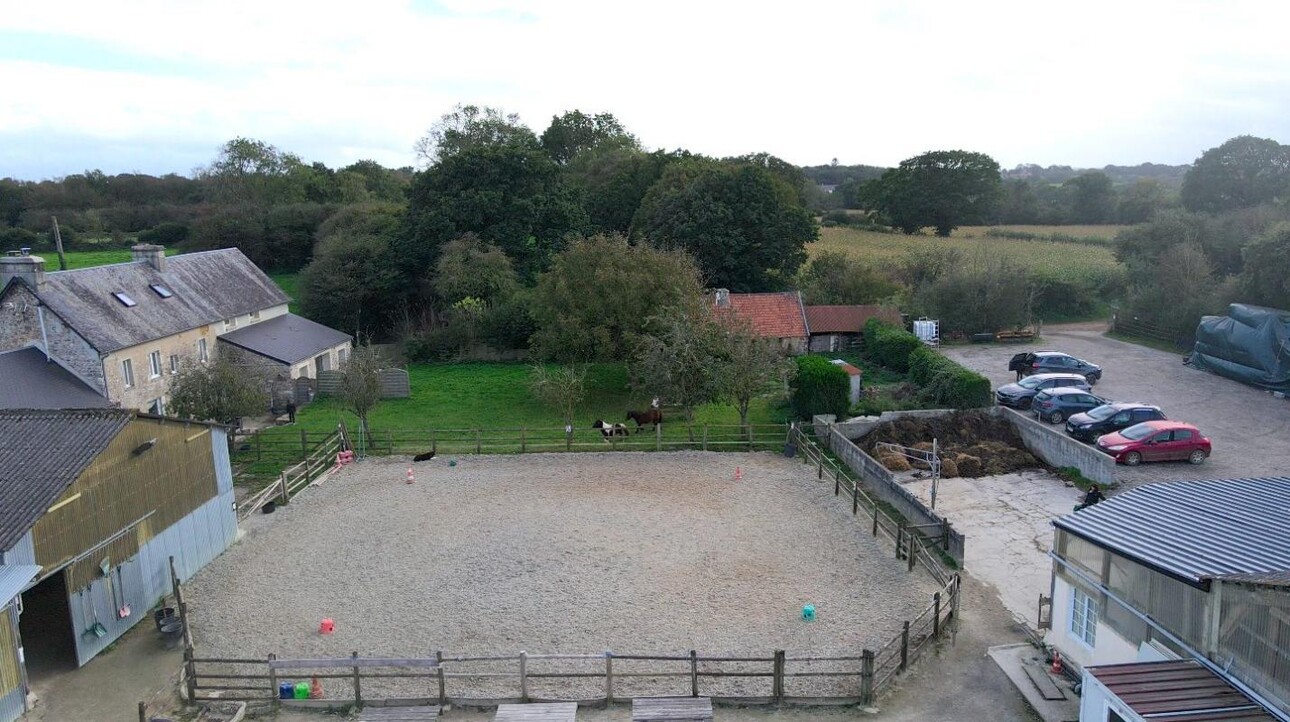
(1195, 530)
(846, 319)
(1178, 691)
(206, 287)
(287, 338)
(31, 382)
(41, 454)
(772, 315)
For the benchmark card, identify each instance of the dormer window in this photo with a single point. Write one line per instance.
(161, 290)
(124, 299)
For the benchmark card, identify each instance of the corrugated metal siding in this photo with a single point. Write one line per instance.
(12, 705)
(223, 466)
(21, 553)
(1195, 529)
(194, 541)
(1254, 639)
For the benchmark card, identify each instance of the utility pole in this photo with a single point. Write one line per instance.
(58, 245)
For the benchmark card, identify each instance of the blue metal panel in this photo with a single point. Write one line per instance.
(22, 553)
(223, 467)
(12, 705)
(14, 579)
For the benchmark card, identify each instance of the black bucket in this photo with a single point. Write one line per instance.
(163, 615)
(172, 633)
(269, 507)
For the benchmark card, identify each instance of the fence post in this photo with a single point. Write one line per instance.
(282, 487)
(855, 497)
(358, 685)
(190, 672)
(658, 437)
(904, 647)
(568, 437)
(900, 538)
(477, 442)
(866, 677)
(945, 535)
(694, 673)
(523, 441)
(819, 474)
(609, 678)
(273, 679)
(705, 437)
(837, 483)
(257, 445)
(524, 676)
(389, 441)
(875, 518)
(910, 550)
(777, 688)
(304, 444)
(438, 661)
(143, 712)
(936, 615)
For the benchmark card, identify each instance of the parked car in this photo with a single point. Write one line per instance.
(1029, 363)
(1160, 440)
(1112, 417)
(1020, 394)
(1055, 405)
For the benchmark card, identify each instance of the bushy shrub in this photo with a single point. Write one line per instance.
(956, 387)
(165, 234)
(889, 345)
(11, 239)
(820, 387)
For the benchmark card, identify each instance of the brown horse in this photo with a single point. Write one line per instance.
(650, 416)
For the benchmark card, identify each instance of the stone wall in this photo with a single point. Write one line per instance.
(20, 327)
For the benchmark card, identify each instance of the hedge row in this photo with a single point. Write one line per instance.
(942, 381)
(820, 388)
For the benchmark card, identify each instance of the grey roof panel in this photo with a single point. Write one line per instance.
(1195, 530)
(14, 578)
(287, 338)
(32, 382)
(205, 288)
(41, 454)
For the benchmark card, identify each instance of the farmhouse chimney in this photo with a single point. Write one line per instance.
(152, 255)
(722, 298)
(20, 264)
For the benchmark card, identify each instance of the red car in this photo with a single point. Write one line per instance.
(1160, 440)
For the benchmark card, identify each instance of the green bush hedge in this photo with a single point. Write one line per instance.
(820, 387)
(943, 382)
(889, 345)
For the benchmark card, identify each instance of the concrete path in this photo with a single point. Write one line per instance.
(1008, 523)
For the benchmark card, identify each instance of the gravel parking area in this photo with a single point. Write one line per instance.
(638, 553)
(1249, 428)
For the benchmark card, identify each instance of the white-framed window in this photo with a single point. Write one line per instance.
(202, 354)
(174, 364)
(154, 365)
(157, 407)
(127, 372)
(230, 324)
(255, 317)
(1083, 617)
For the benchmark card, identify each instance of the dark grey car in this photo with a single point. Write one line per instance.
(1020, 394)
(1056, 405)
(1029, 363)
(1104, 419)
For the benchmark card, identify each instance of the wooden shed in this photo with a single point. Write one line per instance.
(93, 503)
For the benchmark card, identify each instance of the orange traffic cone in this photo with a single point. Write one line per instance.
(315, 689)
(1057, 663)
(410, 477)
(739, 473)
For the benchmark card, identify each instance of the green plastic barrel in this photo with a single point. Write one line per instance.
(302, 690)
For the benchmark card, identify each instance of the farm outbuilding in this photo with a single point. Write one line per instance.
(838, 328)
(93, 504)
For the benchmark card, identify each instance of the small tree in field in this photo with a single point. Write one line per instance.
(563, 387)
(749, 366)
(682, 362)
(360, 385)
(217, 391)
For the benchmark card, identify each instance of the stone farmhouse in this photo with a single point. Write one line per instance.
(124, 330)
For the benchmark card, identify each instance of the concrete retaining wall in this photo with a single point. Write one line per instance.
(879, 483)
(1057, 449)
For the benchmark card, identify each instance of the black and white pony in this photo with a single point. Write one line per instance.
(608, 430)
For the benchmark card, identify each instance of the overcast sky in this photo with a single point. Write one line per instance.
(156, 86)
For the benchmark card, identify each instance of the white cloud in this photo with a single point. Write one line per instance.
(875, 82)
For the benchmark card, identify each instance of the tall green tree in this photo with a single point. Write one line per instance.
(353, 282)
(834, 277)
(943, 189)
(217, 391)
(468, 267)
(613, 181)
(253, 172)
(575, 133)
(512, 196)
(602, 294)
(746, 227)
(1092, 198)
(1245, 171)
(1267, 268)
(472, 126)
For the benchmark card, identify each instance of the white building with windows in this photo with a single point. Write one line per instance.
(1189, 571)
(126, 329)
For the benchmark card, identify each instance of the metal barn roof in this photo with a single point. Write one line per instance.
(287, 338)
(41, 454)
(1179, 692)
(33, 382)
(1195, 530)
(14, 578)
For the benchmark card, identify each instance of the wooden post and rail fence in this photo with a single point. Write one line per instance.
(607, 677)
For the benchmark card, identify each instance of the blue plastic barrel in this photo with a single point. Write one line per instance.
(286, 690)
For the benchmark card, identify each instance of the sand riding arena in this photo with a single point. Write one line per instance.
(636, 553)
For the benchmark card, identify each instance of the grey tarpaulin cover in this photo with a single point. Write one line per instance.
(1250, 344)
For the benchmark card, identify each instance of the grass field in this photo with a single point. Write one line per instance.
(1063, 260)
(89, 259)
